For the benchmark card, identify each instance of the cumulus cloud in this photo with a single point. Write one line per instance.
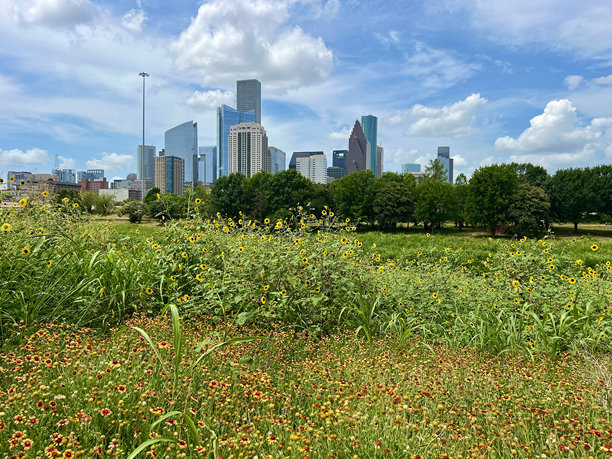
(66, 163)
(34, 157)
(459, 161)
(342, 134)
(557, 137)
(134, 19)
(53, 13)
(241, 39)
(454, 120)
(210, 99)
(572, 81)
(111, 162)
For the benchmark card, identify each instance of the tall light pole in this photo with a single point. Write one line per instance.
(142, 151)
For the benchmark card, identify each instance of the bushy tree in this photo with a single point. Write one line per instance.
(435, 202)
(88, 200)
(135, 210)
(151, 195)
(168, 206)
(226, 194)
(351, 194)
(287, 189)
(461, 193)
(530, 174)
(491, 191)
(529, 211)
(256, 191)
(393, 204)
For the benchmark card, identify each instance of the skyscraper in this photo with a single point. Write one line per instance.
(149, 165)
(447, 161)
(410, 168)
(169, 174)
(301, 154)
(248, 149)
(226, 118)
(207, 163)
(369, 125)
(248, 97)
(278, 160)
(357, 150)
(182, 141)
(380, 160)
(313, 167)
(339, 158)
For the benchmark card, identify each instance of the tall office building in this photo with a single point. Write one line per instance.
(170, 174)
(313, 167)
(278, 160)
(301, 154)
(339, 158)
(65, 175)
(447, 161)
(207, 163)
(357, 150)
(248, 97)
(369, 124)
(149, 162)
(226, 118)
(248, 149)
(182, 141)
(335, 172)
(380, 160)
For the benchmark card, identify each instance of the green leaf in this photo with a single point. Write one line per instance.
(144, 445)
(150, 341)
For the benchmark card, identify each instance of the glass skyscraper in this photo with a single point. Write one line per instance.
(447, 161)
(149, 162)
(278, 160)
(369, 124)
(248, 97)
(182, 141)
(207, 163)
(226, 118)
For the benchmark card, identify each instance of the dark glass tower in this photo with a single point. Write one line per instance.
(248, 97)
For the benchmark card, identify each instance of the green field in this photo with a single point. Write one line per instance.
(354, 344)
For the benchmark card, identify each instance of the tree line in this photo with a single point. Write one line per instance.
(517, 198)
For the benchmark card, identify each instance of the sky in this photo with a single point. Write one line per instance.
(497, 81)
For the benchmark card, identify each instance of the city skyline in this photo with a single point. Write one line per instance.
(496, 82)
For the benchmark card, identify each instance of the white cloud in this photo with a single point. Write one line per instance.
(210, 99)
(66, 163)
(603, 80)
(343, 134)
(111, 162)
(241, 39)
(15, 158)
(53, 13)
(454, 120)
(557, 137)
(572, 81)
(459, 161)
(134, 19)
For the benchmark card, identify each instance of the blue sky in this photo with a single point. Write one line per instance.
(497, 81)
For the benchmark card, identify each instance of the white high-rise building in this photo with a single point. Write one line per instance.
(248, 149)
(313, 167)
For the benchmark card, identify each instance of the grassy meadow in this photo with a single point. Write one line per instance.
(298, 338)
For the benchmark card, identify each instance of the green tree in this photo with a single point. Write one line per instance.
(529, 211)
(168, 206)
(287, 189)
(602, 182)
(530, 174)
(151, 194)
(393, 204)
(104, 204)
(351, 194)
(435, 202)
(256, 190)
(435, 170)
(226, 194)
(491, 191)
(573, 193)
(461, 193)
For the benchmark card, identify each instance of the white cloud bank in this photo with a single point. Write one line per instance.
(111, 162)
(210, 99)
(455, 120)
(241, 39)
(557, 137)
(15, 158)
(54, 13)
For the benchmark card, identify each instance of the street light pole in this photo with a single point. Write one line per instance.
(142, 151)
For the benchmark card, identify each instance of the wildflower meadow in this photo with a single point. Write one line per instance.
(300, 337)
